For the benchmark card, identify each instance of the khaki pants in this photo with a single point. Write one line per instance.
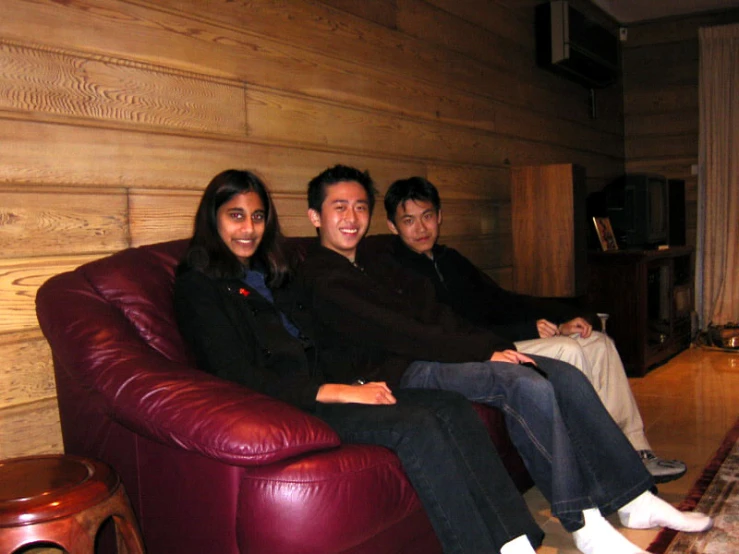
(598, 359)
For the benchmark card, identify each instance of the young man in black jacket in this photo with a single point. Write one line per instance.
(537, 325)
(388, 322)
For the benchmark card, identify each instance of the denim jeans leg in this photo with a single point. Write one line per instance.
(533, 420)
(418, 430)
(497, 498)
(614, 468)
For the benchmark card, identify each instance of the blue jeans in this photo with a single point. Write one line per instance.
(451, 462)
(574, 451)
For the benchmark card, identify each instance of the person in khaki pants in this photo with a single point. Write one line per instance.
(535, 325)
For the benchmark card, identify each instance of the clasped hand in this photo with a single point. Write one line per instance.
(574, 326)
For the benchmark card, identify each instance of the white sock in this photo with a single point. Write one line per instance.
(647, 511)
(598, 536)
(519, 545)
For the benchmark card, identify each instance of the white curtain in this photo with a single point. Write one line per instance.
(717, 259)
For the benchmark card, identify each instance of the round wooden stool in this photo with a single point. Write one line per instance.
(63, 501)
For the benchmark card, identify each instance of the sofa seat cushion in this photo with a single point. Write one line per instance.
(289, 500)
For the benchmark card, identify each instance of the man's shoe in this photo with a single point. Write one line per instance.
(662, 471)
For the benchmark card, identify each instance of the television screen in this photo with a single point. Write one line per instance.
(638, 206)
(657, 209)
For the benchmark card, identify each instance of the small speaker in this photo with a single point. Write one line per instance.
(676, 189)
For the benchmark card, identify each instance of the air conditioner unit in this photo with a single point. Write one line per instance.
(575, 47)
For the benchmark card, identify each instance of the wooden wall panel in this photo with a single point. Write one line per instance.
(439, 26)
(44, 222)
(59, 83)
(675, 61)
(669, 146)
(115, 115)
(460, 218)
(158, 216)
(491, 16)
(52, 154)
(670, 123)
(675, 30)
(467, 182)
(379, 11)
(64, 154)
(647, 99)
(30, 429)
(353, 42)
(19, 281)
(26, 374)
(279, 117)
(488, 253)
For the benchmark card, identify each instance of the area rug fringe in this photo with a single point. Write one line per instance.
(666, 536)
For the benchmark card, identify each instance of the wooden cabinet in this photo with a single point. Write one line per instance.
(549, 230)
(649, 296)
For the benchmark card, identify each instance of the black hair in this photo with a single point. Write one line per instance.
(413, 188)
(208, 253)
(338, 174)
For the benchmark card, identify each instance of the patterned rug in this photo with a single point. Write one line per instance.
(716, 493)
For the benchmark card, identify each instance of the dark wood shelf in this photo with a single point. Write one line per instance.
(649, 296)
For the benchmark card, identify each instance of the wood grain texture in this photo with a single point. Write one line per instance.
(486, 252)
(381, 12)
(30, 429)
(472, 183)
(279, 117)
(26, 373)
(548, 212)
(432, 24)
(670, 123)
(658, 99)
(491, 16)
(676, 61)
(19, 281)
(413, 71)
(158, 216)
(41, 153)
(669, 146)
(56, 82)
(44, 222)
(676, 29)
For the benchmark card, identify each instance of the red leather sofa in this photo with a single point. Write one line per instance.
(210, 466)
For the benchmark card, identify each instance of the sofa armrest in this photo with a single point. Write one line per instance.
(110, 365)
(217, 418)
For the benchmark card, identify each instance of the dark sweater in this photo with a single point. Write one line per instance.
(383, 317)
(238, 335)
(475, 296)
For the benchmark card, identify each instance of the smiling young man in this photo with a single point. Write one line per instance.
(537, 326)
(388, 323)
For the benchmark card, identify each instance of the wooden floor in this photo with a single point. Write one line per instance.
(687, 405)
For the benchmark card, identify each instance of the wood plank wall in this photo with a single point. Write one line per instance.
(115, 114)
(660, 75)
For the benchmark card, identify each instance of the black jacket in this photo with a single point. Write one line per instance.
(238, 335)
(383, 317)
(475, 296)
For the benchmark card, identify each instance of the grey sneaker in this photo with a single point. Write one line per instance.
(663, 471)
